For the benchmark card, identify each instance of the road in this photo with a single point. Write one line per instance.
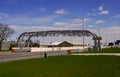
(8, 56)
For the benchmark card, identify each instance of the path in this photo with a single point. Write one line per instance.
(97, 54)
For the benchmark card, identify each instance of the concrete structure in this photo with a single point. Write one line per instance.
(45, 49)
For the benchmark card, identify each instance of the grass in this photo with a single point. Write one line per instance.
(4, 50)
(105, 50)
(63, 66)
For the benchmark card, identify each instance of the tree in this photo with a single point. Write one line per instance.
(5, 32)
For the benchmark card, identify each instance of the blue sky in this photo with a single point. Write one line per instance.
(36, 15)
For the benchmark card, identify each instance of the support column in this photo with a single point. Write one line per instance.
(99, 46)
(95, 45)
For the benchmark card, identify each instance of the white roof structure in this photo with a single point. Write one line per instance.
(55, 43)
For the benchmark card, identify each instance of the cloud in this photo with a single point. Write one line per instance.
(25, 23)
(36, 28)
(102, 11)
(66, 25)
(100, 8)
(111, 33)
(31, 20)
(99, 22)
(87, 19)
(75, 23)
(42, 9)
(59, 24)
(26, 28)
(99, 11)
(108, 34)
(117, 16)
(112, 30)
(56, 26)
(79, 20)
(61, 11)
(3, 15)
(90, 14)
(90, 26)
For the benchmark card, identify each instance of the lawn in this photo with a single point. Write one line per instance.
(105, 50)
(63, 66)
(4, 50)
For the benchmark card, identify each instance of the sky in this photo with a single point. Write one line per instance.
(100, 16)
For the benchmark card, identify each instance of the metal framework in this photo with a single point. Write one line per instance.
(55, 33)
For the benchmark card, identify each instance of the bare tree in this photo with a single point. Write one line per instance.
(5, 32)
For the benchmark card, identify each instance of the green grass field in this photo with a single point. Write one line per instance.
(105, 50)
(63, 66)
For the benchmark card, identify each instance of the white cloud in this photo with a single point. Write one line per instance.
(67, 25)
(27, 28)
(99, 22)
(87, 19)
(112, 30)
(79, 20)
(91, 14)
(42, 9)
(99, 11)
(61, 11)
(100, 8)
(3, 15)
(35, 24)
(55, 26)
(104, 12)
(59, 24)
(111, 34)
(117, 16)
(27, 20)
(90, 26)
(108, 34)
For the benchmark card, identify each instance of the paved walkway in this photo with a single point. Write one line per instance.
(97, 54)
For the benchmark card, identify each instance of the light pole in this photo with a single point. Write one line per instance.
(83, 27)
(106, 38)
(83, 33)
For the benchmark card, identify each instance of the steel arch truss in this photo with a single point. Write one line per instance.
(54, 33)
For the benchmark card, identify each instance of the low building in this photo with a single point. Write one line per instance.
(61, 44)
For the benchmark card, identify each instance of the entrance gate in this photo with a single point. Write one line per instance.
(55, 33)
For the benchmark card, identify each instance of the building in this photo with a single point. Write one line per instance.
(61, 44)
